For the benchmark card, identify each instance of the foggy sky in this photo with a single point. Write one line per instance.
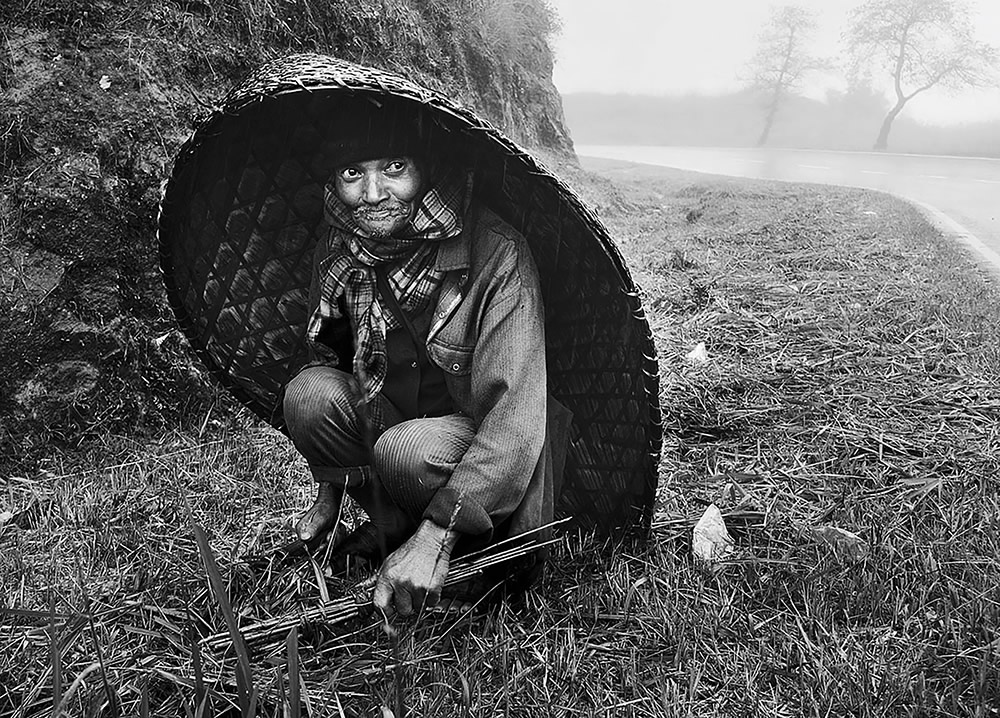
(680, 46)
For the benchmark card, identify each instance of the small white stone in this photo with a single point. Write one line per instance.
(710, 540)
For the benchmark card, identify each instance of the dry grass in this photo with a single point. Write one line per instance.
(852, 381)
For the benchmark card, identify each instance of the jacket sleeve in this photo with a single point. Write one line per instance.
(508, 386)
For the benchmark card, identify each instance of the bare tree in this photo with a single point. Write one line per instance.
(782, 59)
(923, 44)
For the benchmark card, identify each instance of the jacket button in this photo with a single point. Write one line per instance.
(456, 367)
(413, 364)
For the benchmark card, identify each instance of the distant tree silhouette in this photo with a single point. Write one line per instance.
(923, 44)
(782, 59)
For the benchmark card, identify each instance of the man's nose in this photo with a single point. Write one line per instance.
(375, 190)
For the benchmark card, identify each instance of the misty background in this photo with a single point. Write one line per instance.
(663, 72)
(843, 121)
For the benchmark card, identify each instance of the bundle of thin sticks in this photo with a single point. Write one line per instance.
(356, 605)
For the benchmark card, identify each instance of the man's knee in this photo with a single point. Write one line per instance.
(399, 455)
(414, 458)
(317, 395)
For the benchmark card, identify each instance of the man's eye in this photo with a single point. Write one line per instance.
(349, 173)
(395, 167)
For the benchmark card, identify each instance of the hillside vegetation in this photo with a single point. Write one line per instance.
(97, 96)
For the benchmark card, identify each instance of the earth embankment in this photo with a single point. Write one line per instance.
(95, 99)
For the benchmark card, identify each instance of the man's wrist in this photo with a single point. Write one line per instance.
(439, 535)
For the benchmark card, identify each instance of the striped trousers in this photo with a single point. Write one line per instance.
(412, 458)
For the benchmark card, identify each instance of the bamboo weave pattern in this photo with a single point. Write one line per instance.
(242, 210)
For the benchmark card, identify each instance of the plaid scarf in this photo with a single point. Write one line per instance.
(348, 271)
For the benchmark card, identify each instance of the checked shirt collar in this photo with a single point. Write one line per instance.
(416, 262)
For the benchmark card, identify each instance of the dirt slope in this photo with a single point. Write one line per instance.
(95, 98)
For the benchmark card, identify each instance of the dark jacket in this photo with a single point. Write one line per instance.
(487, 334)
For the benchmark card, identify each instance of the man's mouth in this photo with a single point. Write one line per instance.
(367, 214)
(381, 222)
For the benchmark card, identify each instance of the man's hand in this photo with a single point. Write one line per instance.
(413, 575)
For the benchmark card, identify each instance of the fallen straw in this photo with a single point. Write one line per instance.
(352, 606)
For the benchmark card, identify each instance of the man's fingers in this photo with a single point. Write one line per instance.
(404, 602)
(432, 598)
(382, 598)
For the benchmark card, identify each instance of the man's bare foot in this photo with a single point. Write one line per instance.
(322, 515)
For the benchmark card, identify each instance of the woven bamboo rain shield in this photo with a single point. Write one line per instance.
(243, 209)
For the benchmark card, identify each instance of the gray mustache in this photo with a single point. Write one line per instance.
(382, 212)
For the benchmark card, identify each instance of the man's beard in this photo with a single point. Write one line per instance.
(384, 219)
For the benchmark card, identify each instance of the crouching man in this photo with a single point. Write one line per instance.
(425, 400)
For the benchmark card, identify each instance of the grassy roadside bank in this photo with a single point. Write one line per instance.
(851, 381)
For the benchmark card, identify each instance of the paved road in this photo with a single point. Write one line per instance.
(966, 190)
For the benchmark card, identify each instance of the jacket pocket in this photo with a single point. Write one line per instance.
(454, 360)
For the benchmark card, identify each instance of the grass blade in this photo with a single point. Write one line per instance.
(200, 694)
(292, 644)
(112, 696)
(397, 672)
(144, 698)
(244, 676)
(283, 706)
(55, 657)
(202, 708)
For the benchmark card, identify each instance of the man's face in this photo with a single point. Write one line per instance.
(382, 194)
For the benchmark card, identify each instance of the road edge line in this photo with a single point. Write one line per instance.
(987, 259)
(951, 229)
